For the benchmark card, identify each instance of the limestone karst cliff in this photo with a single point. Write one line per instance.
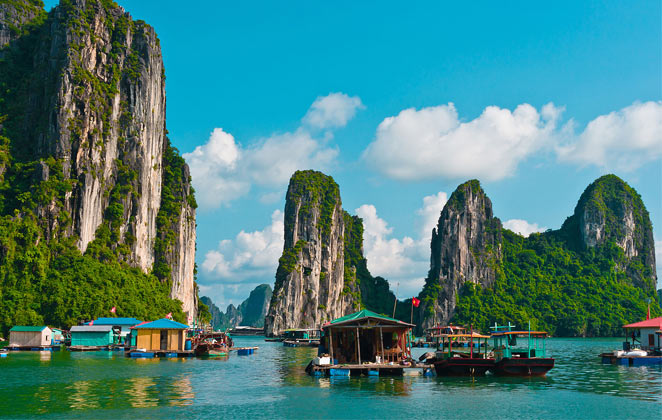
(83, 106)
(587, 278)
(251, 312)
(310, 282)
(465, 247)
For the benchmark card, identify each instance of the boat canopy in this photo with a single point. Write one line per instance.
(472, 335)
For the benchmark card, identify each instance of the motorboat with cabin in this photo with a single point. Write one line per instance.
(526, 358)
(463, 354)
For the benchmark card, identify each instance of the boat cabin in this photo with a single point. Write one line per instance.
(163, 334)
(473, 341)
(366, 336)
(531, 343)
(302, 334)
(30, 336)
(646, 335)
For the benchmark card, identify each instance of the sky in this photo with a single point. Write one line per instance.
(401, 103)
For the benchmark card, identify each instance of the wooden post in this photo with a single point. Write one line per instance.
(331, 345)
(471, 341)
(358, 345)
(381, 341)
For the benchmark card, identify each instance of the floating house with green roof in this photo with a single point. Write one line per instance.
(30, 336)
(364, 342)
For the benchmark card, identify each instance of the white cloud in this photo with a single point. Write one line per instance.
(523, 227)
(250, 255)
(622, 140)
(402, 261)
(333, 110)
(223, 170)
(433, 142)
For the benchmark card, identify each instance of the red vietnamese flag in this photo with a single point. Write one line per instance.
(169, 316)
(112, 311)
(415, 302)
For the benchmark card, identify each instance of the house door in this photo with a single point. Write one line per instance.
(164, 339)
(651, 340)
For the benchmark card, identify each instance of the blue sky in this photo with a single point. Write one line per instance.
(315, 84)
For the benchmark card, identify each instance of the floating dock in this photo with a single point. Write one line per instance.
(611, 358)
(33, 348)
(244, 351)
(158, 354)
(370, 369)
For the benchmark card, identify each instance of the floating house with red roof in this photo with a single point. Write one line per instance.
(642, 345)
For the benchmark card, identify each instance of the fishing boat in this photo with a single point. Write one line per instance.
(449, 362)
(212, 344)
(302, 337)
(642, 345)
(512, 359)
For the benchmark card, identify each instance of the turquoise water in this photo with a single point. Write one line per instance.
(272, 384)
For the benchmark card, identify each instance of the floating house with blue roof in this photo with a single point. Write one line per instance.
(161, 335)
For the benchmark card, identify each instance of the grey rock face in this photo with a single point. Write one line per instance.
(609, 210)
(310, 285)
(98, 107)
(13, 15)
(466, 247)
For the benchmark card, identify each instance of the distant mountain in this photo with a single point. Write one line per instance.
(250, 312)
(588, 278)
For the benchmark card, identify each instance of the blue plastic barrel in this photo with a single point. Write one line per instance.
(187, 345)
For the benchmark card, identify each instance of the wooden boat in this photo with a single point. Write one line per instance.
(450, 362)
(301, 337)
(511, 360)
(212, 344)
(245, 330)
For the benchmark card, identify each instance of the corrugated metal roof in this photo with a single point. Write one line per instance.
(26, 328)
(162, 324)
(117, 321)
(92, 328)
(649, 323)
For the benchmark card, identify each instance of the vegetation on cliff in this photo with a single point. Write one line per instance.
(561, 285)
(44, 278)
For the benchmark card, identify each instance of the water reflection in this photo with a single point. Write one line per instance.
(45, 356)
(139, 392)
(80, 396)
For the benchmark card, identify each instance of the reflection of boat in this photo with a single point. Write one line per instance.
(645, 347)
(301, 337)
(462, 363)
(511, 360)
(212, 344)
(274, 339)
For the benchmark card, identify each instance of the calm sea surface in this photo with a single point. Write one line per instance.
(272, 384)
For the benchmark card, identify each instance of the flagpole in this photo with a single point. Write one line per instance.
(411, 320)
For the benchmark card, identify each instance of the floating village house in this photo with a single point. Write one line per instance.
(648, 333)
(98, 336)
(161, 335)
(121, 326)
(366, 336)
(28, 336)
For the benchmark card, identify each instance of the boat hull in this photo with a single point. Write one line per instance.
(463, 367)
(523, 366)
